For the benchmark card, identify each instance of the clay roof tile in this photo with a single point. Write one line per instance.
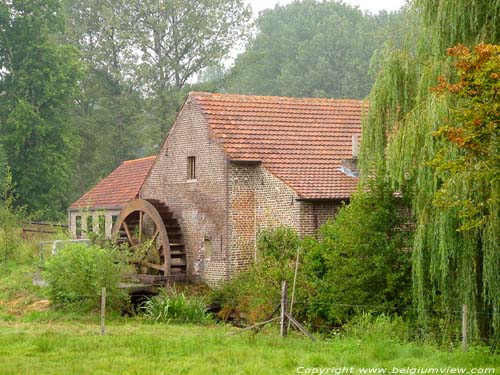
(118, 188)
(302, 141)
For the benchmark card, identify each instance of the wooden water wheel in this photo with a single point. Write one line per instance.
(154, 237)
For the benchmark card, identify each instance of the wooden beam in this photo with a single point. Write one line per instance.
(127, 231)
(152, 265)
(140, 226)
(253, 326)
(300, 326)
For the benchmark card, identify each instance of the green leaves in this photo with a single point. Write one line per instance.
(39, 82)
(441, 151)
(360, 261)
(320, 49)
(77, 273)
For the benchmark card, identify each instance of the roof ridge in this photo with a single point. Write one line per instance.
(143, 158)
(280, 98)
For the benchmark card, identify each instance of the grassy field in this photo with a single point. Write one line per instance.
(36, 339)
(132, 347)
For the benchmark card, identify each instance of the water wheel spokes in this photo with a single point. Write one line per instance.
(141, 227)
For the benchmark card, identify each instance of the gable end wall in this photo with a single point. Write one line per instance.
(199, 205)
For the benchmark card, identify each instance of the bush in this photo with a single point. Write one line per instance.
(360, 260)
(10, 217)
(171, 306)
(253, 294)
(10, 234)
(77, 273)
(358, 263)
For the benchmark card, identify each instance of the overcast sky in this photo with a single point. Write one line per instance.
(372, 5)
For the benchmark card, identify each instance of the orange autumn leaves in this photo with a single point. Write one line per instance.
(469, 171)
(474, 118)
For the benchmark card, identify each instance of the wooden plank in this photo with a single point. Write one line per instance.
(127, 231)
(153, 239)
(152, 265)
(254, 326)
(140, 226)
(300, 327)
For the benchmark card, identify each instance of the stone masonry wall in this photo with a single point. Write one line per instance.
(221, 211)
(200, 205)
(258, 199)
(84, 214)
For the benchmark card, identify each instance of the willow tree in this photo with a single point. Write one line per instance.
(456, 256)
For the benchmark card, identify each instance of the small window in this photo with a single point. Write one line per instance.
(78, 225)
(102, 225)
(90, 224)
(208, 248)
(113, 220)
(191, 168)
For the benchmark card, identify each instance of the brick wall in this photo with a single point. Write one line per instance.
(316, 213)
(199, 205)
(258, 199)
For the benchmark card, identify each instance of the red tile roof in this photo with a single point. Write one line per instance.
(119, 187)
(301, 141)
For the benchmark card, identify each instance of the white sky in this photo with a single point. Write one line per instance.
(372, 5)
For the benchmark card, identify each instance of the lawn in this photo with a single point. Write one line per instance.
(37, 339)
(134, 347)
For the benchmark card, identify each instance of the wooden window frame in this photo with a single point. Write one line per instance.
(191, 167)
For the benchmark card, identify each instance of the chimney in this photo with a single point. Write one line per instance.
(350, 166)
(355, 146)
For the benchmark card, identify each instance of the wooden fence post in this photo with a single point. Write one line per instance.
(103, 310)
(464, 327)
(284, 296)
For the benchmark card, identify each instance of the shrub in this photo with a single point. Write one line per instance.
(10, 217)
(77, 273)
(360, 260)
(171, 306)
(253, 294)
(358, 263)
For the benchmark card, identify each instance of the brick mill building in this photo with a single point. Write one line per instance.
(233, 164)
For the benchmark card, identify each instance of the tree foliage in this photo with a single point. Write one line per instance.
(360, 262)
(452, 263)
(140, 60)
(38, 80)
(471, 131)
(312, 48)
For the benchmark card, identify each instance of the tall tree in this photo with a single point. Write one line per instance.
(312, 48)
(140, 58)
(38, 81)
(454, 262)
(108, 111)
(179, 38)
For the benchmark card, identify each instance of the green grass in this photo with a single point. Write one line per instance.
(36, 339)
(132, 347)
